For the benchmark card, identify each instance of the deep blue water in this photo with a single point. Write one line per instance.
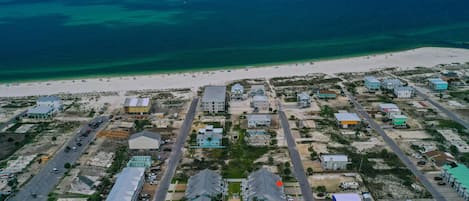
(59, 39)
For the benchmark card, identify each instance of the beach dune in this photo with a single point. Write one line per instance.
(426, 57)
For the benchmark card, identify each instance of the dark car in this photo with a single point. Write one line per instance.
(79, 144)
(437, 178)
(441, 183)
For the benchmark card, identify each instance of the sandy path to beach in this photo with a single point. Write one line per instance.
(427, 57)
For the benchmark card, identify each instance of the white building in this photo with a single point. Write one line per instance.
(258, 120)
(260, 102)
(403, 92)
(389, 109)
(334, 162)
(237, 92)
(128, 185)
(390, 84)
(214, 99)
(50, 101)
(46, 107)
(303, 100)
(257, 90)
(145, 140)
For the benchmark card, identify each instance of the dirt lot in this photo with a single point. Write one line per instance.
(330, 180)
(403, 134)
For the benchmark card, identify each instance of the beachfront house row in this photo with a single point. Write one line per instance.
(390, 84)
(345, 120)
(334, 162)
(259, 120)
(404, 92)
(237, 92)
(389, 109)
(257, 137)
(326, 94)
(145, 140)
(263, 185)
(303, 100)
(128, 185)
(214, 99)
(371, 83)
(209, 137)
(398, 120)
(260, 102)
(437, 84)
(46, 107)
(205, 186)
(137, 105)
(257, 90)
(457, 176)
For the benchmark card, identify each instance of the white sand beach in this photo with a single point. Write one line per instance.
(427, 57)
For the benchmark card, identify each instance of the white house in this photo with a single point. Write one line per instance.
(390, 84)
(145, 140)
(303, 100)
(257, 90)
(214, 99)
(258, 120)
(46, 107)
(389, 109)
(260, 102)
(334, 162)
(403, 92)
(237, 92)
(50, 101)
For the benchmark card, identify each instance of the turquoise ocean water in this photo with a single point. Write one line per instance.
(43, 39)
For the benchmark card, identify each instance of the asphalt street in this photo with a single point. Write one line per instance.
(38, 188)
(176, 154)
(299, 170)
(395, 148)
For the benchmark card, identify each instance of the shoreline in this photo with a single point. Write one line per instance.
(425, 56)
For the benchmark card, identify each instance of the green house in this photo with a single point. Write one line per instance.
(399, 120)
(326, 94)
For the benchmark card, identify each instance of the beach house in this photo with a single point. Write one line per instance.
(237, 92)
(389, 109)
(345, 120)
(210, 137)
(326, 94)
(263, 185)
(403, 92)
(205, 186)
(457, 176)
(334, 162)
(437, 84)
(259, 120)
(303, 100)
(46, 108)
(257, 137)
(145, 140)
(257, 90)
(214, 99)
(260, 102)
(398, 120)
(390, 84)
(371, 83)
(128, 185)
(137, 105)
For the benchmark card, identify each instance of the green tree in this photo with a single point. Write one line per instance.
(321, 189)
(67, 165)
(310, 171)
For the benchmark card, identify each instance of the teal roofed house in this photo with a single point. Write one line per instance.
(326, 94)
(140, 161)
(372, 84)
(457, 176)
(438, 84)
(210, 137)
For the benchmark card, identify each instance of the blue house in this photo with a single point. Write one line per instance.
(438, 84)
(210, 137)
(372, 84)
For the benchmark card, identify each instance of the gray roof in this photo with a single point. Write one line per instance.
(394, 82)
(136, 102)
(40, 109)
(206, 183)
(127, 184)
(258, 117)
(404, 89)
(347, 117)
(260, 98)
(48, 98)
(371, 79)
(334, 157)
(303, 96)
(214, 93)
(147, 134)
(237, 87)
(262, 184)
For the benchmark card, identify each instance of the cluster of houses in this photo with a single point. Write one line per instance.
(260, 185)
(392, 85)
(46, 108)
(391, 111)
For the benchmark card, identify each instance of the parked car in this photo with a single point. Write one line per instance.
(437, 178)
(441, 183)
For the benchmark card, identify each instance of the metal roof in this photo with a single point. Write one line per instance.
(148, 134)
(460, 172)
(394, 82)
(40, 109)
(334, 157)
(48, 99)
(262, 184)
(137, 102)
(127, 184)
(237, 87)
(388, 106)
(347, 117)
(437, 81)
(371, 79)
(346, 197)
(258, 117)
(404, 89)
(206, 183)
(214, 94)
(399, 116)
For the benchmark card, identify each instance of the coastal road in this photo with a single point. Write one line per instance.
(300, 173)
(395, 148)
(38, 188)
(176, 154)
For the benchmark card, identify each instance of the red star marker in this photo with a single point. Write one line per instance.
(279, 183)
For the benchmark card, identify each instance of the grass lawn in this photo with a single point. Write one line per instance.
(242, 158)
(234, 188)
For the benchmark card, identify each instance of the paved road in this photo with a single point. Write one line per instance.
(45, 181)
(12, 120)
(395, 148)
(306, 190)
(176, 154)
